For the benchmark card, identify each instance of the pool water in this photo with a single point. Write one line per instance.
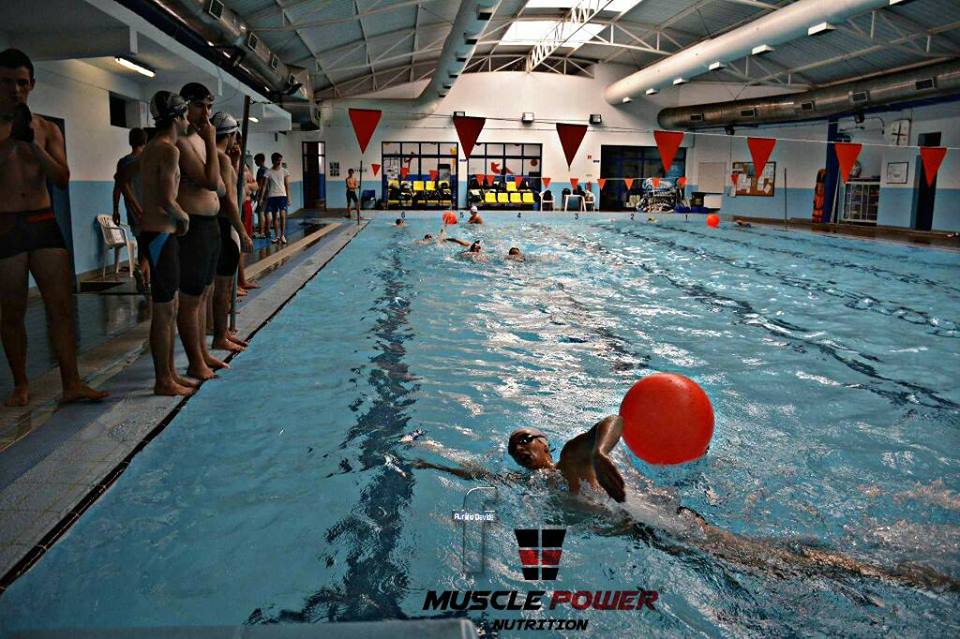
(284, 492)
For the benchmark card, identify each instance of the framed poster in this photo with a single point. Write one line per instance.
(751, 185)
(334, 169)
(897, 172)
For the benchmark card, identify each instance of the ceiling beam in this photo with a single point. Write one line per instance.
(578, 17)
(313, 24)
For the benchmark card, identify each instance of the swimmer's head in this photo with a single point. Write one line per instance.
(473, 210)
(513, 251)
(428, 237)
(399, 222)
(475, 247)
(530, 449)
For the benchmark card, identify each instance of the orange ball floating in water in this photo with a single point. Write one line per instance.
(667, 419)
(713, 220)
(449, 217)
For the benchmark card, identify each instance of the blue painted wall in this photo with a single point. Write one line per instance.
(895, 207)
(87, 201)
(946, 210)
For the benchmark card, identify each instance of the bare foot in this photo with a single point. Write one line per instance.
(184, 381)
(81, 392)
(236, 340)
(19, 397)
(225, 344)
(241, 292)
(215, 363)
(202, 374)
(250, 284)
(173, 389)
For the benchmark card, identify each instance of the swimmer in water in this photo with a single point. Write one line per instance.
(585, 459)
(514, 254)
(743, 224)
(474, 216)
(399, 222)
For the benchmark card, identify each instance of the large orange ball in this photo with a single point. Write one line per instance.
(667, 419)
(449, 217)
(713, 220)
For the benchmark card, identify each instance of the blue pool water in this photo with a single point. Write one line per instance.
(283, 493)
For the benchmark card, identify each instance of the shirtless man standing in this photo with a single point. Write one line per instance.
(31, 153)
(162, 219)
(229, 219)
(199, 195)
(352, 186)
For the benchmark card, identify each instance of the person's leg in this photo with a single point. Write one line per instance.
(13, 310)
(283, 224)
(177, 377)
(223, 287)
(212, 362)
(51, 270)
(161, 346)
(188, 323)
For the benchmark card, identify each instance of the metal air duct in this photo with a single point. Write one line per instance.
(920, 83)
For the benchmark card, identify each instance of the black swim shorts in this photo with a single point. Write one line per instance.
(25, 231)
(163, 254)
(199, 252)
(352, 197)
(229, 251)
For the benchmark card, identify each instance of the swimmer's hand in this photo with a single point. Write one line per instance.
(180, 219)
(608, 475)
(22, 127)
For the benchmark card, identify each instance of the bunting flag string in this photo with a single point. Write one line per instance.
(517, 179)
(376, 168)
(574, 182)
(667, 143)
(364, 122)
(468, 130)
(601, 182)
(546, 182)
(932, 157)
(571, 135)
(760, 150)
(846, 155)
(628, 182)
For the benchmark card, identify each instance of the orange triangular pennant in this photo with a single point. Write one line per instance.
(932, 157)
(364, 123)
(667, 143)
(846, 155)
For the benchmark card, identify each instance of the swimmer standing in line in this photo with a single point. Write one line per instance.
(585, 459)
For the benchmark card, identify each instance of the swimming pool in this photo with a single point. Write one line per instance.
(283, 493)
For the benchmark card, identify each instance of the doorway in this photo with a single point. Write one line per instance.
(637, 162)
(314, 176)
(926, 193)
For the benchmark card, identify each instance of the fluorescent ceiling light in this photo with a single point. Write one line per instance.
(651, 92)
(618, 6)
(133, 66)
(714, 66)
(761, 49)
(531, 32)
(253, 119)
(817, 29)
(626, 100)
(679, 81)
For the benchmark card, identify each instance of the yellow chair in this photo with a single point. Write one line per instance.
(528, 198)
(417, 185)
(489, 197)
(503, 198)
(511, 186)
(515, 198)
(430, 186)
(394, 183)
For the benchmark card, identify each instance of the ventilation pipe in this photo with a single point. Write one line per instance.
(783, 25)
(920, 83)
(471, 20)
(218, 24)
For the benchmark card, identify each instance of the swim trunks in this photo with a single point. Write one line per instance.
(352, 197)
(229, 251)
(248, 217)
(199, 252)
(163, 254)
(25, 231)
(276, 204)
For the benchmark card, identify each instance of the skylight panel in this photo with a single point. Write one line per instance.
(531, 32)
(617, 6)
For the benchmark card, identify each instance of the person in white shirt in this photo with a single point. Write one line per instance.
(275, 192)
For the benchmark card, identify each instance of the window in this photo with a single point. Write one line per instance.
(506, 161)
(118, 111)
(420, 162)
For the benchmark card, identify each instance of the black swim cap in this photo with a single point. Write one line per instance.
(166, 106)
(196, 92)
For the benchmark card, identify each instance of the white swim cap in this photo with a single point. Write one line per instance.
(473, 209)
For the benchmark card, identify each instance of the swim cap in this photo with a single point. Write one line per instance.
(166, 106)
(196, 92)
(224, 123)
(473, 209)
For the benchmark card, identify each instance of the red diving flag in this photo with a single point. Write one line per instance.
(760, 150)
(628, 182)
(480, 179)
(376, 168)
(656, 182)
(517, 179)
(434, 173)
(571, 135)
(932, 157)
(601, 182)
(364, 122)
(574, 182)
(546, 182)
(682, 182)
(404, 172)
(667, 143)
(468, 130)
(846, 155)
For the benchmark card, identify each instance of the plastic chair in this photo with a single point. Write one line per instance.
(515, 197)
(546, 199)
(489, 197)
(116, 237)
(417, 186)
(511, 186)
(503, 198)
(528, 198)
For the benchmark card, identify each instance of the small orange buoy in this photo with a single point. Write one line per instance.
(713, 220)
(449, 217)
(667, 419)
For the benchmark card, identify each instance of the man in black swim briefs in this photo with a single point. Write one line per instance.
(161, 222)
(200, 189)
(31, 154)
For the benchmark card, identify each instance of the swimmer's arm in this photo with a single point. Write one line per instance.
(116, 195)
(606, 434)
(169, 164)
(228, 204)
(458, 241)
(52, 155)
(125, 182)
(461, 472)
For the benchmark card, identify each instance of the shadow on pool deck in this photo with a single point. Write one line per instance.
(56, 461)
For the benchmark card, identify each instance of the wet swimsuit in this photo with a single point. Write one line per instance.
(199, 252)
(163, 254)
(25, 231)
(229, 251)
